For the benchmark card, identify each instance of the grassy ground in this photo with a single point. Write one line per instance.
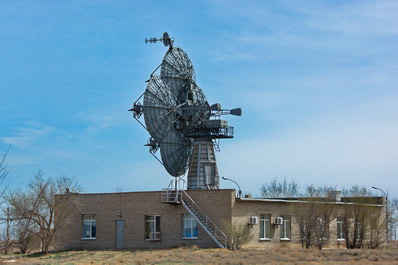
(212, 256)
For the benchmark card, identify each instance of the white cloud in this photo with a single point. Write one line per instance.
(356, 27)
(106, 118)
(24, 136)
(15, 161)
(368, 19)
(360, 18)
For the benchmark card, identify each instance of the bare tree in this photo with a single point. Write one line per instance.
(364, 219)
(4, 170)
(313, 215)
(239, 235)
(306, 215)
(392, 214)
(23, 233)
(36, 206)
(356, 217)
(357, 191)
(279, 189)
(328, 213)
(7, 238)
(376, 229)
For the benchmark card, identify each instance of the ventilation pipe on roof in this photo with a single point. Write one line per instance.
(335, 195)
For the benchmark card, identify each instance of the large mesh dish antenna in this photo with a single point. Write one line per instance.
(177, 70)
(162, 107)
(159, 108)
(177, 114)
(198, 97)
(175, 151)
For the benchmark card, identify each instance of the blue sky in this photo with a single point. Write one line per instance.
(317, 82)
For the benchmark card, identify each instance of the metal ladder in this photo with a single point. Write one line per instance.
(218, 236)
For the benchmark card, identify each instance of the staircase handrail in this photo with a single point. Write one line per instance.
(171, 195)
(217, 231)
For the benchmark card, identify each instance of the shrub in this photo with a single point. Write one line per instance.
(239, 235)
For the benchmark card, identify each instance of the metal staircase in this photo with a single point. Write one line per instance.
(204, 221)
(172, 196)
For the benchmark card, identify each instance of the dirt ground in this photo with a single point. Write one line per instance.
(212, 256)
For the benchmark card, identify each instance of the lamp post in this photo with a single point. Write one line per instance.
(385, 195)
(239, 190)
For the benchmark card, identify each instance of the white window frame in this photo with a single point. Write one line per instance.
(91, 219)
(286, 222)
(340, 222)
(193, 223)
(153, 234)
(265, 223)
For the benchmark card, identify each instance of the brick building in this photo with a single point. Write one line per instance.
(163, 219)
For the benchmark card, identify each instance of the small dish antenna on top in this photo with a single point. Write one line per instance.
(167, 41)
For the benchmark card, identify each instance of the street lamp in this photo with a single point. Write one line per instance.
(239, 190)
(385, 195)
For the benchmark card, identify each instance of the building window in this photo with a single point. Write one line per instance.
(152, 227)
(89, 226)
(340, 228)
(265, 226)
(190, 226)
(285, 229)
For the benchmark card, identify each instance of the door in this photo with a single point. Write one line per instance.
(119, 234)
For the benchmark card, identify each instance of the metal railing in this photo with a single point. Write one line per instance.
(171, 196)
(210, 226)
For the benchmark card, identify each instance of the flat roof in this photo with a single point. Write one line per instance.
(153, 191)
(297, 200)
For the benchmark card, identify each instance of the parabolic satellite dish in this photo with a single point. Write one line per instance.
(180, 121)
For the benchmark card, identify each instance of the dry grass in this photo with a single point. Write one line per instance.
(212, 256)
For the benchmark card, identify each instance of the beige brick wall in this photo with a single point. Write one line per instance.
(220, 205)
(244, 209)
(133, 207)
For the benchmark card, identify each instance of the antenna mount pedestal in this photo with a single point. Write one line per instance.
(203, 172)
